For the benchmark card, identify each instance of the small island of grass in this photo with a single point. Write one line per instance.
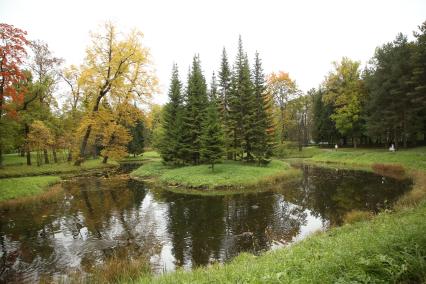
(226, 175)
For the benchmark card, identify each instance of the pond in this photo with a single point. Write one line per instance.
(96, 218)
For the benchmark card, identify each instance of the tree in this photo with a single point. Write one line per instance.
(392, 115)
(12, 53)
(115, 68)
(45, 69)
(323, 129)
(224, 104)
(263, 126)
(194, 113)
(344, 90)
(136, 145)
(241, 107)
(169, 146)
(39, 137)
(212, 137)
(418, 78)
(283, 89)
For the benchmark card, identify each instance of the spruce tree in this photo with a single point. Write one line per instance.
(235, 113)
(169, 146)
(212, 137)
(418, 78)
(224, 104)
(248, 111)
(196, 104)
(263, 126)
(136, 145)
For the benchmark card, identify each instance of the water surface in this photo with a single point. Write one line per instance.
(96, 218)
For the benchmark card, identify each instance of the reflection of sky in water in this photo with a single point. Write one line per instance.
(97, 218)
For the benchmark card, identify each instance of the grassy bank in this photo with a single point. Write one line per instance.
(389, 249)
(411, 159)
(22, 170)
(13, 188)
(226, 175)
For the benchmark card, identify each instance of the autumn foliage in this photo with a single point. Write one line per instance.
(12, 54)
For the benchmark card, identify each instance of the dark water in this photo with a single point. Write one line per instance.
(98, 218)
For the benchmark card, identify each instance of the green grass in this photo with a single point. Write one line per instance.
(414, 159)
(391, 248)
(228, 174)
(150, 169)
(48, 169)
(13, 188)
(286, 151)
(149, 155)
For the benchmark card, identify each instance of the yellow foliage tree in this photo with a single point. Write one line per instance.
(282, 89)
(39, 138)
(117, 71)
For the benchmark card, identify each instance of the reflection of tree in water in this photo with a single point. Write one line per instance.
(196, 225)
(96, 219)
(331, 193)
(206, 229)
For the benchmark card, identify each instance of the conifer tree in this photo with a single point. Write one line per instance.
(234, 123)
(418, 79)
(196, 104)
(212, 137)
(224, 104)
(136, 145)
(169, 146)
(263, 126)
(248, 111)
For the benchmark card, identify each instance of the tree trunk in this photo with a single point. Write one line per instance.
(212, 167)
(83, 146)
(55, 158)
(46, 156)
(22, 152)
(69, 159)
(28, 157)
(105, 160)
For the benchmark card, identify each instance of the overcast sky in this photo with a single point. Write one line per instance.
(299, 37)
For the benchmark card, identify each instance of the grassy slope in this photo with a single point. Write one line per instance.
(23, 170)
(411, 159)
(12, 188)
(224, 175)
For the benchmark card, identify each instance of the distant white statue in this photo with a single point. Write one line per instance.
(392, 148)
(336, 147)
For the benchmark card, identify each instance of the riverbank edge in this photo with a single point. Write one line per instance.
(49, 190)
(266, 182)
(409, 205)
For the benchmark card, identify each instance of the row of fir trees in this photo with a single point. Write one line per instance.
(230, 119)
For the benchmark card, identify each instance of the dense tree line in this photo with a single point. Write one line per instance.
(231, 118)
(381, 105)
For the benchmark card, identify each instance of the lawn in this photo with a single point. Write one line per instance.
(13, 188)
(411, 158)
(225, 175)
(12, 169)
